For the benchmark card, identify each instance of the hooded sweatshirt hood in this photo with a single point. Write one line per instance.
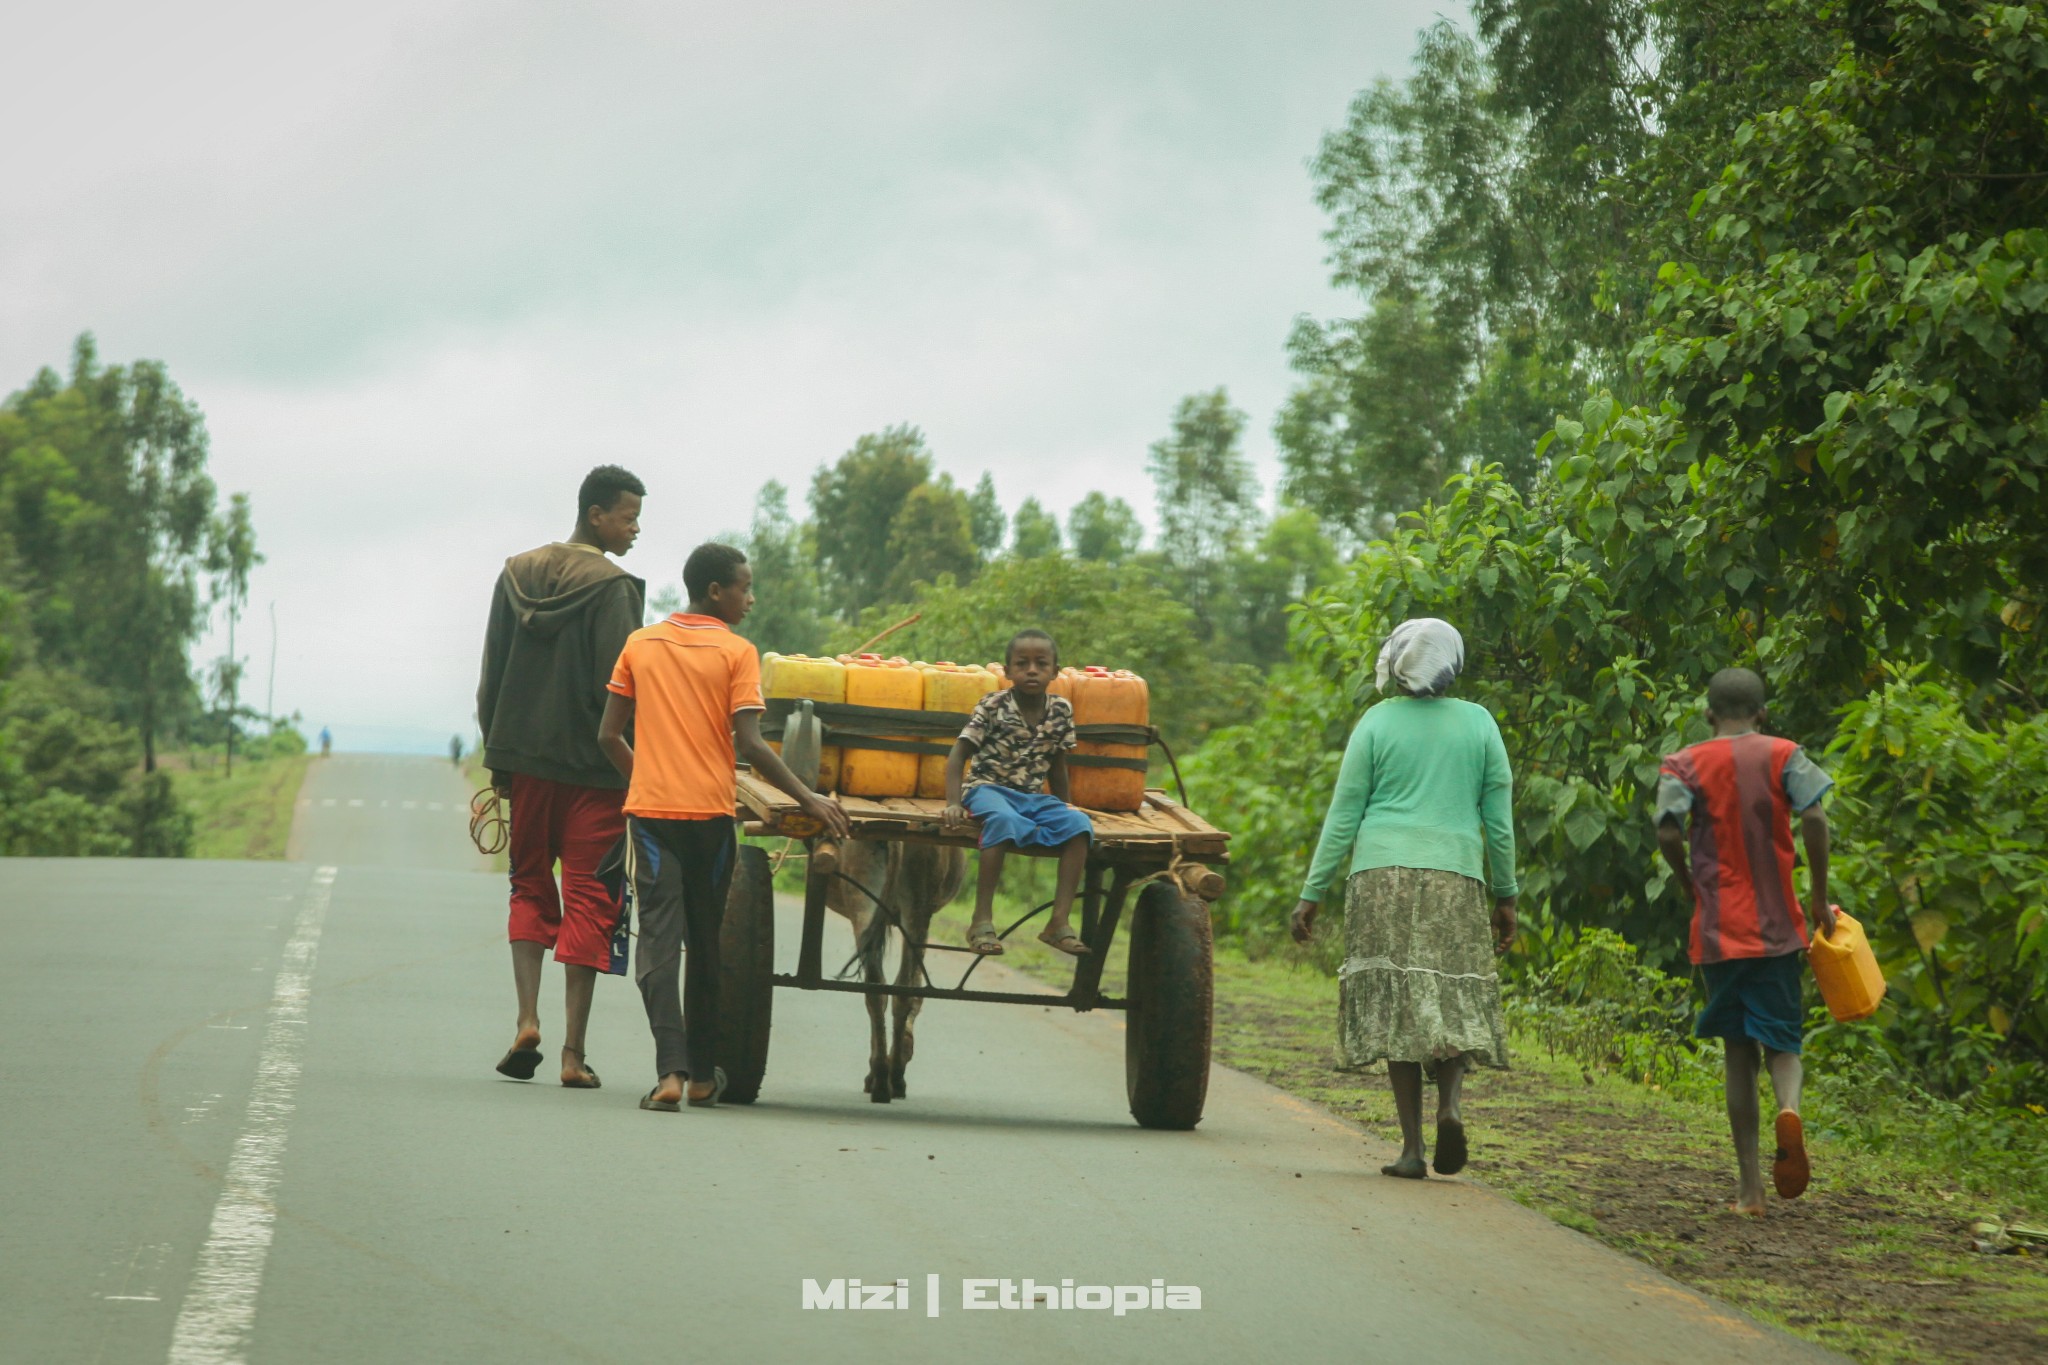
(550, 585)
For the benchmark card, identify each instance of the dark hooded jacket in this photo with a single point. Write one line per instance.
(559, 618)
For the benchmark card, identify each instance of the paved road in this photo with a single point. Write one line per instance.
(248, 1114)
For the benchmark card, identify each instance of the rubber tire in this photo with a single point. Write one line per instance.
(746, 992)
(1170, 1009)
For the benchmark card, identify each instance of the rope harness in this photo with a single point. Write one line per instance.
(490, 829)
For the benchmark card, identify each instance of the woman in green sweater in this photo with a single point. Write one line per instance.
(1423, 820)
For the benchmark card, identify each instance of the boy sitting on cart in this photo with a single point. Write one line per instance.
(1012, 749)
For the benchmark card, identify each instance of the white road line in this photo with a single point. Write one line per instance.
(355, 801)
(328, 801)
(433, 805)
(411, 805)
(220, 1308)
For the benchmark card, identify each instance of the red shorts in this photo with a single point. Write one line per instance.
(560, 821)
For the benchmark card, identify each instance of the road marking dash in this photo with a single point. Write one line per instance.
(219, 1312)
(355, 801)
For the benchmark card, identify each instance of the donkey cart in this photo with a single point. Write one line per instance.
(901, 864)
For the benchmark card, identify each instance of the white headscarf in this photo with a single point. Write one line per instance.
(1423, 655)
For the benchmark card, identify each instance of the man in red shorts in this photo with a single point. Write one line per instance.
(559, 618)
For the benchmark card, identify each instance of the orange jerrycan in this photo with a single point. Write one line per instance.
(948, 687)
(798, 677)
(894, 684)
(1846, 970)
(1102, 697)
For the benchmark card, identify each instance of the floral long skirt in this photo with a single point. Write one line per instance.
(1419, 982)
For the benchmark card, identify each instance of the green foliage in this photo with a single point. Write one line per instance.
(985, 517)
(854, 504)
(68, 786)
(1943, 857)
(1036, 531)
(1104, 528)
(931, 536)
(1594, 1000)
(787, 614)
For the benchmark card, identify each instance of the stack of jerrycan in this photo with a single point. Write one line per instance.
(948, 687)
(798, 677)
(874, 681)
(1102, 697)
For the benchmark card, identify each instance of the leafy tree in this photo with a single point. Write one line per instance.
(1292, 558)
(230, 556)
(931, 537)
(1104, 528)
(1208, 501)
(787, 613)
(986, 518)
(1037, 531)
(854, 503)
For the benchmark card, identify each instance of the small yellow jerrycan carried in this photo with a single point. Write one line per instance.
(1846, 970)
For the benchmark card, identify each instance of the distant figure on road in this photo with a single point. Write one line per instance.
(559, 616)
(691, 688)
(1424, 813)
(455, 750)
(326, 741)
(1734, 798)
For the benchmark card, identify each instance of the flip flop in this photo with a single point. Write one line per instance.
(983, 939)
(520, 1063)
(647, 1101)
(1059, 944)
(710, 1101)
(1451, 1152)
(588, 1070)
(1790, 1170)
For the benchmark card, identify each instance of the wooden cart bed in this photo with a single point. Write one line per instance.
(1153, 834)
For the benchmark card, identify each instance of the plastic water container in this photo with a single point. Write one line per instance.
(955, 688)
(893, 683)
(1104, 697)
(1846, 970)
(798, 677)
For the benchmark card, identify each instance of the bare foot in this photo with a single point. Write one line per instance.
(1407, 1168)
(1790, 1170)
(670, 1091)
(1749, 1205)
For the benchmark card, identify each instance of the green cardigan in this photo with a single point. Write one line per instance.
(1424, 783)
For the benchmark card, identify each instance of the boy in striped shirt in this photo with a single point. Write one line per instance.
(1732, 799)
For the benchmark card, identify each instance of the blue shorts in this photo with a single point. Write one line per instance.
(1755, 997)
(1026, 819)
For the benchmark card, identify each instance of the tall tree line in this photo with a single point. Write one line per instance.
(113, 550)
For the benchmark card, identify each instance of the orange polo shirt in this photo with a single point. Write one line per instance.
(688, 677)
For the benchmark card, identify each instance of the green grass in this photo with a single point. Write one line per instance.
(246, 814)
(1876, 1261)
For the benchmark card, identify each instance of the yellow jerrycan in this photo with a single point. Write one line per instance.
(798, 677)
(1103, 697)
(955, 688)
(1846, 970)
(874, 681)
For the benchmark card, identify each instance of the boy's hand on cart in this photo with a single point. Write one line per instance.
(1302, 923)
(1503, 924)
(956, 819)
(828, 813)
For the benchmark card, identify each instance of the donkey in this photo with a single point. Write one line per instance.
(914, 881)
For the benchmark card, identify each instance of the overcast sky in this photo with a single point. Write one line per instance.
(423, 264)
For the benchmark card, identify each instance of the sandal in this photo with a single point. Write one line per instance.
(983, 939)
(1068, 942)
(647, 1101)
(520, 1063)
(589, 1080)
(710, 1101)
(1790, 1169)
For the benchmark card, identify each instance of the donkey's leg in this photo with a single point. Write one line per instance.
(905, 1010)
(877, 1082)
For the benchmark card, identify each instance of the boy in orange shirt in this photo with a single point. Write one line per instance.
(691, 690)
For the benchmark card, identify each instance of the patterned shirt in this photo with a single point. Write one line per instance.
(1010, 751)
(1738, 794)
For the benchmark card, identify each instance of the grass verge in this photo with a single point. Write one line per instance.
(243, 814)
(1876, 1261)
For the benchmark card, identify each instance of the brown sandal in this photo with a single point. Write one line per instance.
(1069, 943)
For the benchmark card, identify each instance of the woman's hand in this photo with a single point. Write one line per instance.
(1503, 924)
(1302, 923)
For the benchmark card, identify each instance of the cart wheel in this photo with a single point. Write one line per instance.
(746, 947)
(1170, 1008)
